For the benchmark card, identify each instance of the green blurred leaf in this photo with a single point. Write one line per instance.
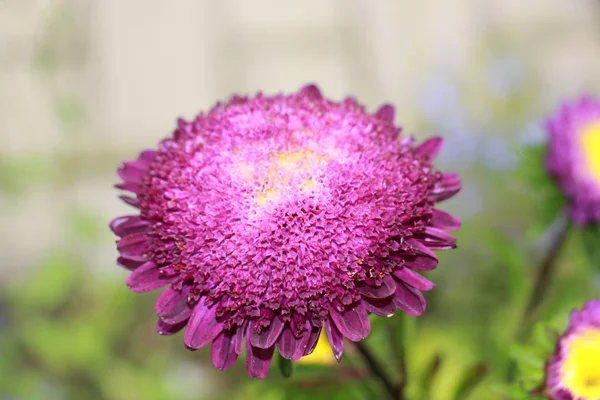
(286, 367)
(514, 262)
(428, 377)
(50, 285)
(550, 200)
(471, 378)
(590, 240)
(86, 226)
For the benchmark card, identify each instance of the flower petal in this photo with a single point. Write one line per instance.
(312, 341)
(268, 336)
(166, 329)
(444, 220)
(353, 322)
(336, 340)
(386, 289)
(128, 225)
(133, 245)
(410, 300)
(430, 148)
(287, 344)
(381, 307)
(172, 305)
(386, 112)
(146, 278)
(414, 279)
(258, 360)
(223, 353)
(202, 327)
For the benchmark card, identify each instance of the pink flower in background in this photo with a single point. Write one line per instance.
(574, 157)
(270, 219)
(574, 371)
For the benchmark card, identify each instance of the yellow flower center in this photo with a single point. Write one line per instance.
(590, 143)
(282, 173)
(322, 355)
(580, 371)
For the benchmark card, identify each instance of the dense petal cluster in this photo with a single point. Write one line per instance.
(270, 219)
(574, 157)
(574, 371)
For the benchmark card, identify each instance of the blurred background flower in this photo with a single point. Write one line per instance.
(85, 84)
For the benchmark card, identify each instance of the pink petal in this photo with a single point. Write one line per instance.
(287, 344)
(414, 279)
(172, 305)
(336, 340)
(128, 225)
(133, 245)
(312, 91)
(353, 323)
(387, 288)
(443, 220)
(381, 307)
(146, 278)
(312, 341)
(386, 112)
(448, 186)
(438, 239)
(223, 351)
(410, 300)
(202, 327)
(169, 329)
(268, 336)
(430, 148)
(258, 360)
(131, 263)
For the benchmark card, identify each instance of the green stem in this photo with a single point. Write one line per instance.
(392, 390)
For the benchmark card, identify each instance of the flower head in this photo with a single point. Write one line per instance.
(574, 371)
(574, 157)
(270, 219)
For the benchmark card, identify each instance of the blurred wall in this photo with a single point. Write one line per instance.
(86, 83)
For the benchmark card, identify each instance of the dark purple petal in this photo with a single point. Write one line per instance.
(386, 112)
(410, 300)
(287, 344)
(387, 288)
(133, 245)
(438, 239)
(352, 322)
(258, 360)
(131, 263)
(301, 345)
(312, 91)
(430, 148)
(381, 307)
(173, 306)
(336, 340)
(268, 336)
(166, 329)
(223, 351)
(422, 263)
(202, 327)
(425, 259)
(132, 201)
(238, 339)
(448, 186)
(414, 279)
(128, 225)
(146, 278)
(312, 341)
(444, 220)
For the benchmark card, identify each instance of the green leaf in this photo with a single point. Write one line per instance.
(286, 366)
(513, 260)
(428, 378)
(590, 240)
(472, 377)
(550, 200)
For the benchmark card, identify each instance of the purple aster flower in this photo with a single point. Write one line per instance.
(574, 371)
(270, 219)
(574, 157)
